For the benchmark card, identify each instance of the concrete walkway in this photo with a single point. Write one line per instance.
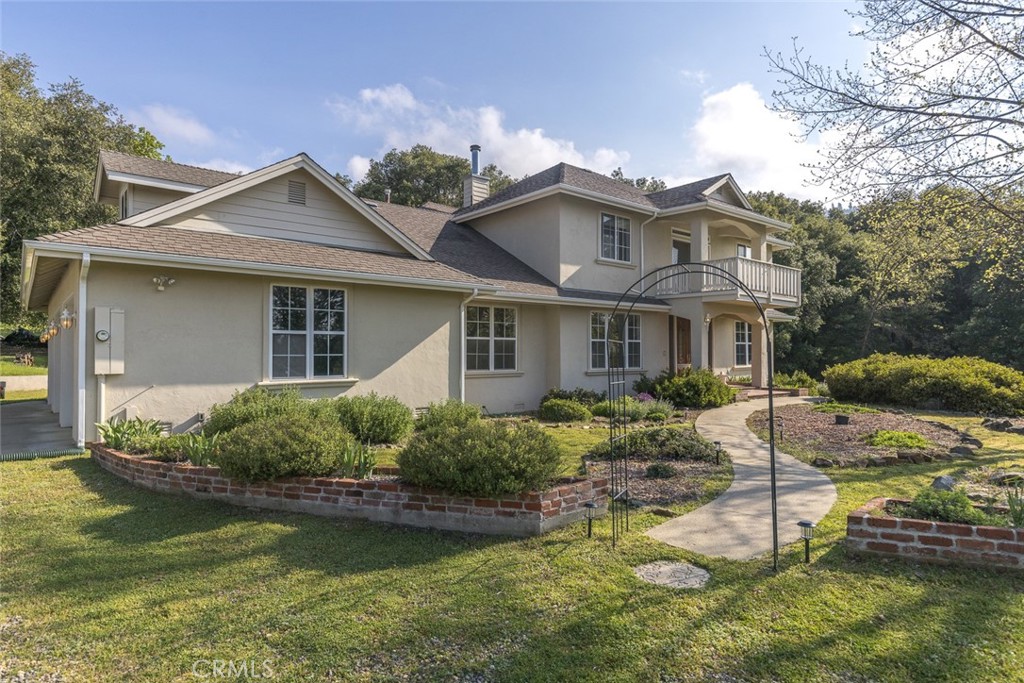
(738, 524)
(30, 427)
(25, 382)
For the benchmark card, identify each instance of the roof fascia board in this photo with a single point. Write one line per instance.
(567, 301)
(29, 260)
(127, 256)
(150, 181)
(300, 161)
(734, 211)
(98, 179)
(731, 182)
(556, 189)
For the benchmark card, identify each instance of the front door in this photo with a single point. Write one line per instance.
(682, 339)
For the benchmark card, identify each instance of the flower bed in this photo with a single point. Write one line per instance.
(871, 530)
(526, 514)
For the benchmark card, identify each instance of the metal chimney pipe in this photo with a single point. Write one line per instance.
(474, 153)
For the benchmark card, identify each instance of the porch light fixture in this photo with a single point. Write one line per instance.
(67, 319)
(707, 318)
(162, 282)
(52, 329)
(806, 533)
(590, 506)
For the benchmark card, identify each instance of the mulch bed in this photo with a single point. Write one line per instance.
(686, 486)
(845, 444)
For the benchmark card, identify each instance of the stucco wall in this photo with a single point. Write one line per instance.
(579, 248)
(207, 336)
(529, 231)
(508, 392)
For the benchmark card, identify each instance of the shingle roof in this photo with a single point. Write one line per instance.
(119, 162)
(573, 176)
(181, 242)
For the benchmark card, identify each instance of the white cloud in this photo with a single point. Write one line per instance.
(735, 132)
(698, 76)
(227, 165)
(401, 120)
(174, 125)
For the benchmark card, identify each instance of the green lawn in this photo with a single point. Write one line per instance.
(8, 368)
(27, 395)
(104, 582)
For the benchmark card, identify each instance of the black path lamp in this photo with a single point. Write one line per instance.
(806, 533)
(590, 506)
(718, 452)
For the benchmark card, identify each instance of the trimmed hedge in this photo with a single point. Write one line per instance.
(963, 384)
(663, 443)
(483, 458)
(564, 410)
(293, 445)
(585, 396)
(375, 419)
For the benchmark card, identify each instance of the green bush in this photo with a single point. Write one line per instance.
(962, 384)
(291, 445)
(1015, 506)
(663, 443)
(375, 419)
(585, 396)
(447, 414)
(257, 403)
(564, 410)
(835, 408)
(656, 416)
(118, 434)
(483, 458)
(660, 470)
(798, 380)
(195, 448)
(357, 461)
(946, 506)
(631, 408)
(656, 407)
(888, 438)
(694, 388)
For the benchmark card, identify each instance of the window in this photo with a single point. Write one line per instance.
(307, 332)
(743, 250)
(490, 338)
(614, 237)
(124, 203)
(599, 342)
(744, 344)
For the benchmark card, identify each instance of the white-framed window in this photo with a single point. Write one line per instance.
(743, 250)
(490, 338)
(599, 341)
(615, 238)
(744, 343)
(308, 332)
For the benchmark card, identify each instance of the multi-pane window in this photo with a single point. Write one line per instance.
(744, 343)
(743, 250)
(614, 237)
(490, 338)
(624, 329)
(308, 332)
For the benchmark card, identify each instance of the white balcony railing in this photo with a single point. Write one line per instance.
(768, 281)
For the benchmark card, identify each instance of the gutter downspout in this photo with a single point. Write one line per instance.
(83, 276)
(643, 273)
(462, 343)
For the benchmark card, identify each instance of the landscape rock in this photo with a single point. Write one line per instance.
(823, 462)
(910, 456)
(1007, 479)
(964, 451)
(971, 441)
(996, 424)
(1015, 430)
(663, 512)
(944, 483)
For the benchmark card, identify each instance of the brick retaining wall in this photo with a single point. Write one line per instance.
(527, 514)
(870, 530)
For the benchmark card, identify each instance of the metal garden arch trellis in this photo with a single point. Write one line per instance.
(615, 361)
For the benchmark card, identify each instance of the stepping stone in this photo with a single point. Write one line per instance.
(673, 574)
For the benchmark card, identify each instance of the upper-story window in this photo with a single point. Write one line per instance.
(490, 338)
(743, 251)
(308, 332)
(125, 207)
(615, 238)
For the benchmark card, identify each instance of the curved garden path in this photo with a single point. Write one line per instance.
(738, 524)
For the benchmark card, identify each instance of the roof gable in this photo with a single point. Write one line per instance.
(190, 207)
(114, 167)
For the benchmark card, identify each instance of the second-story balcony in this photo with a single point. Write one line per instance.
(770, 283)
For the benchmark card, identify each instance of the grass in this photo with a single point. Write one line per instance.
(27, 395)
(890, 438)
(8, 368)
(105, 582)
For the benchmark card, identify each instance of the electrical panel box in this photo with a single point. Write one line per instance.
(108, 330)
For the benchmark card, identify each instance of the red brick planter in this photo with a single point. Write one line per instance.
(870, 530)
(526, 514)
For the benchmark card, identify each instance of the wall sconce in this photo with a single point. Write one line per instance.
(707, 319)
(806, 533)
(52, 329)
(162, 282)
(67, 319)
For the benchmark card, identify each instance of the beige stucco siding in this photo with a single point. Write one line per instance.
(579, 249)
(207, 336)
(508, 392)
(530, 232)
(264, 211)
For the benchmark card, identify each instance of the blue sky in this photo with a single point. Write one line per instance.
(674, 90)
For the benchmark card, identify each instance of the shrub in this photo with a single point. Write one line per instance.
(564, 410)
(357, 461)
(888, 438)
(660, 470)
(695, 388)
(798, 380)
(663, 443)
(290, 445)
(962, 384)
(945, 506)
(255, 404)
(656, 416)
(483, 458)
(579, 394)
(833, 407)
(630, 408)
(657, 407)
(118, 434)
(447, 414)
(375, 419)
(1015, 505)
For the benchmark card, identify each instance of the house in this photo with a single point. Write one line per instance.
(212, 282)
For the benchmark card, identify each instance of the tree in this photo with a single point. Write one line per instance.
(51, 141)
(499, 179)
(642, 183)
(938, 102)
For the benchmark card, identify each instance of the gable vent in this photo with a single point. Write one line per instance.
(296, 192)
